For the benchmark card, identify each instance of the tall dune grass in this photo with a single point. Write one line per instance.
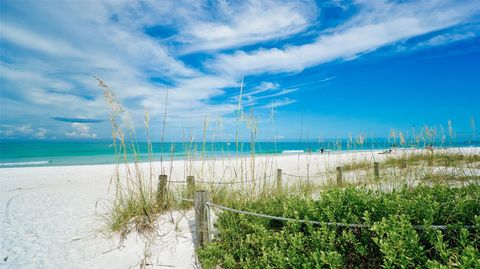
(134, 204)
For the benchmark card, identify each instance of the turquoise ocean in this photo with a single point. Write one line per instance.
(59, 153)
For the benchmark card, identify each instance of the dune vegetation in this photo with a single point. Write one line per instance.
(427, 226)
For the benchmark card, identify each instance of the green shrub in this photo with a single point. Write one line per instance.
(398, 232)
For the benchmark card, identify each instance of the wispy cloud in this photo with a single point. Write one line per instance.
(445, 39)
(22, 131)
(364, 33)
(263, 87)
(78, 120)
(279, 103)
(264, 91)
(248, 23)
(33, 41)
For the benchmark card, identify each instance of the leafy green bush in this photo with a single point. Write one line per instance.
(398, 232)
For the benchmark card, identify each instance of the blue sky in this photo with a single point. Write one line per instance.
(313, 69)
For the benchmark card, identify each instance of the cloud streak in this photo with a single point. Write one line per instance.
(249, 23)
(364, 34)
(78, 120)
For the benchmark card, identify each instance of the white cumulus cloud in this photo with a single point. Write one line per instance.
(81, 130)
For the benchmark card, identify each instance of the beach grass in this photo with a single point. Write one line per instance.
(433, 158)
(135, 203)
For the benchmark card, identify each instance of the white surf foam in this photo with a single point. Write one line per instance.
(292, 151)
(25, 163)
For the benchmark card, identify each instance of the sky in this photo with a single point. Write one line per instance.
(296, 69)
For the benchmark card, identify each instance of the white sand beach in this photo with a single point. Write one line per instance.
(51, 216)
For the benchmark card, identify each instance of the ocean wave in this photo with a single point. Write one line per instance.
(292, 151)
(25, 163)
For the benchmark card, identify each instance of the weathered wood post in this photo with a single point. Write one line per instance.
(376, 170)
(339, 175)
(279, 180)
(430, 158)
(202, 232)
(162, 190)
(190, 186)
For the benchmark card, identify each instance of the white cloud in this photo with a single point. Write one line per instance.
(148, 54)
(22, 131)
(201, 25)
(263, 87)
(34, 41)
(247, 23)
(439, 40)
(59, 79)
(278, 93)
(41, 133)
(6, 133)
(81, 130)
(364, 33)
(279, 103)
(191, 96)
(31, 78)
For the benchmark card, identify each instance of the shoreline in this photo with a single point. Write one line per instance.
(48, 163)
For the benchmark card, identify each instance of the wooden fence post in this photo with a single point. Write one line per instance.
(376, 170)
(430, 158)
(279, 180)
(339, 175)
(202, 232)
(190, 186)
(162, 190)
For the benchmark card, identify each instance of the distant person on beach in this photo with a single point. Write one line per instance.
(321, 150)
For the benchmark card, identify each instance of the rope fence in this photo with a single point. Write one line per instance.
(260, 215)
(337, 224)
(220, 182)
(180, 198)
(309, 176)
